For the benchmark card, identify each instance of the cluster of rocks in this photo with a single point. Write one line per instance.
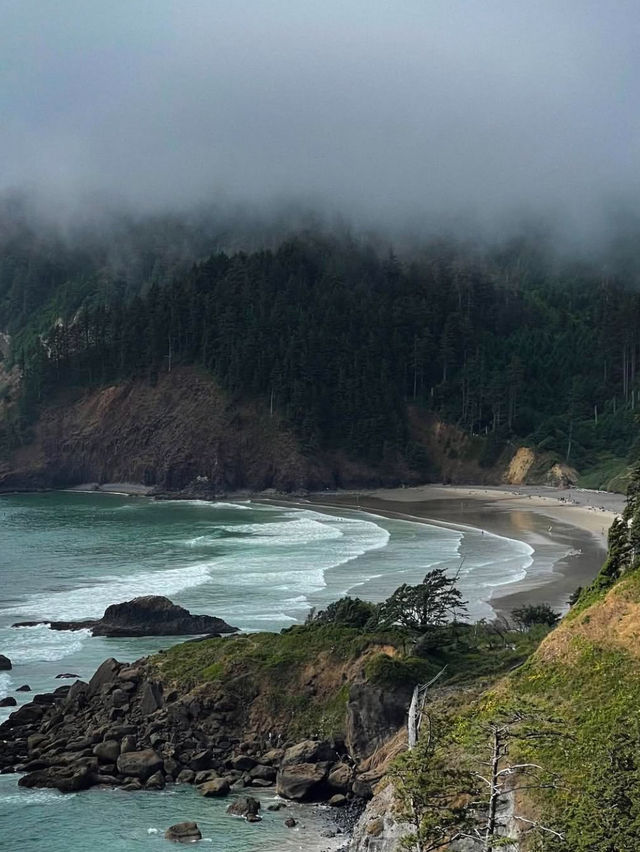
(122, 729)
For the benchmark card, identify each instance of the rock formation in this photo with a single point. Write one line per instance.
(183, 832)
(152, 615)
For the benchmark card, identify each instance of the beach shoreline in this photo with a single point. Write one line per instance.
(575, 521)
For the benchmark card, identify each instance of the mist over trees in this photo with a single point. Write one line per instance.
(346, 341)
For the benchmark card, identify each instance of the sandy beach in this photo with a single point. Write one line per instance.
(571, 523)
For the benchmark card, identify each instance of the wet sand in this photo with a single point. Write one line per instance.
(566, 527)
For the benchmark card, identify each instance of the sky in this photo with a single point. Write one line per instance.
(392, 111)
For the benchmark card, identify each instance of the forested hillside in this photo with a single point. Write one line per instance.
(337, 340)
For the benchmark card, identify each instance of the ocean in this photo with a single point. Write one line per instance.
(68, 555)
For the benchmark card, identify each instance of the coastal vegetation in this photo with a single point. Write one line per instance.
(357, 639)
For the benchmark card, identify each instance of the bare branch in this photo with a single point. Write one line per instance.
(539, 827)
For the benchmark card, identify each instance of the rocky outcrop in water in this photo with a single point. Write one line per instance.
(5, 663)
(152, 615)
(183, 832)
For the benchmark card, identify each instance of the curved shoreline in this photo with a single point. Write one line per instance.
(573, 521)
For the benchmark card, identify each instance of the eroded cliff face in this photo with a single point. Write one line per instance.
(182, 430)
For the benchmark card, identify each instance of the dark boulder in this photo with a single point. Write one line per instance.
(9, 701)
(242, 762)
(119, 698)
(183, 832)
(201, 760)
(151, 698)
(272, 757)
(155, 782)
(185, 776)
(362, 788)
(215, 788)
(80, 780)
(302, 781)
(77, 694)
(340, 778)
(24, 688)
(263, 773)
(5, 663)
(204, 776)
(44, 698)
(66, 674)
(108, 751)
(310, 751)
(129, 743)
(105, 674)
(244, 806)
(69, 781)
(27, 715)
(139, 764)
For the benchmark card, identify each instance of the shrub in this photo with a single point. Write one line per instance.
(531, 614)
(346, 612)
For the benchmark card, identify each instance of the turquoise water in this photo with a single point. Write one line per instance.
(70, 555)
(113, 821)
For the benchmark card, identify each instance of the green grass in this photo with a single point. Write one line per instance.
(586, 697)
(609, 473)
(269, 654)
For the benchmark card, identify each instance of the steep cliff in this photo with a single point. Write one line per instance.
(179, 431)
(183, 431)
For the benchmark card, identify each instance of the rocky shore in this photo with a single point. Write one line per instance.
(125, 728)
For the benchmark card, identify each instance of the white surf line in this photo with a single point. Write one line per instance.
(404, 516)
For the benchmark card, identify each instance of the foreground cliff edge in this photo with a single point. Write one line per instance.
(548, 757)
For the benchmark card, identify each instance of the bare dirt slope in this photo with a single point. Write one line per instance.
(168, 435)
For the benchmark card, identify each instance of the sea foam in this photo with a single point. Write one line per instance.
(41, 644)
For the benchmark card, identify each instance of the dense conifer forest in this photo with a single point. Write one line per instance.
(340, 339)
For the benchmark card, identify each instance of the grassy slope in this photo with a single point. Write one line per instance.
(587, 675)
(301, 675)
(583, 684)
(300, 678)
